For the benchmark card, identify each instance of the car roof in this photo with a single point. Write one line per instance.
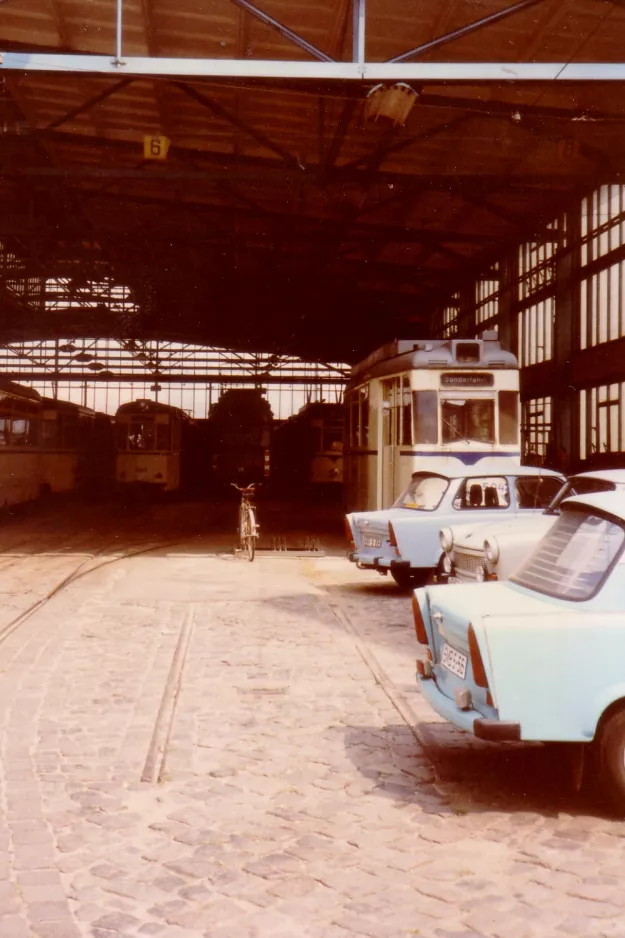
(488, 465)
(611, 502)
(609, 475)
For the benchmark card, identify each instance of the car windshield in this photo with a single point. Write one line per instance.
(578, 486)
(573, 558)
(423, 494)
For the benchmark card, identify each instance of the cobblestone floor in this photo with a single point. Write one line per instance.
(288, 796)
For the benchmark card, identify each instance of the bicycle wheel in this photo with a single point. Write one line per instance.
(251, 534)
(242, 528)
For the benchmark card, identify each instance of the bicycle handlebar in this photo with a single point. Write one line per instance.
(246, 488)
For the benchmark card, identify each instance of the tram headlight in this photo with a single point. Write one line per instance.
(447, 564)
(491, 550)
(446, 538)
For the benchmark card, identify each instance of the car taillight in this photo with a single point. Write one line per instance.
(477, 665)
(348, 533)
(392, 539)
(419, 624)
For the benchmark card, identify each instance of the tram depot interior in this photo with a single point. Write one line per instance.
(198, 198)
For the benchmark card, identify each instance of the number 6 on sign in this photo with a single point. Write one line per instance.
(155, 147)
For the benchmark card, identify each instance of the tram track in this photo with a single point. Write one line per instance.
(10, 627)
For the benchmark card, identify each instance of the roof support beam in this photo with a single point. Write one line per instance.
(465, 30)
(238, 122)
(283, 30)
(95, 99)
(320, 71)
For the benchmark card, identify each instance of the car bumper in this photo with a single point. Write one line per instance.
(371, 562)
(472, 721)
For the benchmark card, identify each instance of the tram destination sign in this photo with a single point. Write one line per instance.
(467, 380)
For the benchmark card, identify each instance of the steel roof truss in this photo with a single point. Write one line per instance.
(284, 30)
(465, 30)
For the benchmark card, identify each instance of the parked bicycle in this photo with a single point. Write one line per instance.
(248, 528)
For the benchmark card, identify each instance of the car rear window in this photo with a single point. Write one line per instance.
(424, 493)
(574, 557)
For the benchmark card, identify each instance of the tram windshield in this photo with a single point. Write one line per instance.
(472, 420)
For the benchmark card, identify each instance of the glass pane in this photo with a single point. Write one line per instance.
(364, 420)
(423, 494)
(121, 436)
(19, 431)
(163, 436)
(574, 556)
(406, 429)
(141, 434)
(508, 417)
(49, 434)
(468, 420)
(425, 416)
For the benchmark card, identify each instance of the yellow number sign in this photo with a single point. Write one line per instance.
(156, 147)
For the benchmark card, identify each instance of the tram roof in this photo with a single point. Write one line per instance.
(406, 355)
(18, 390)
(285, 218)
(146, 406)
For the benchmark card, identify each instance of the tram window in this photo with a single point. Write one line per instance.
(353, 423)
(163, 436)
(49, 434)
(19, 432)
(425, 416)
(141, 435)
(5, 427)
(406, 414)
(364, 420)
(121, 436)
(508, 417)
(332, 438)
(468, 420)
(70, 434)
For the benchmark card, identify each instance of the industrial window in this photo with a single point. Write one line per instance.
(535, 330)
(602, 307)
(602, 222)
(487, 295)
(602, 420)
(451, 312)
(537, 265)
(536, 429)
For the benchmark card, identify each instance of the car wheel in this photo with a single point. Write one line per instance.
(612, 755)
(410, 579)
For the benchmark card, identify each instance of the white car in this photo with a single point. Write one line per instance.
(404, 539)
(494, 550)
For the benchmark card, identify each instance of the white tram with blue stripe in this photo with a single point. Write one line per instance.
(414, 399)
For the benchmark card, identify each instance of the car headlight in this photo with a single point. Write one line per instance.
(446, 538)
(480, 574)
(491, 550)
(447, 564)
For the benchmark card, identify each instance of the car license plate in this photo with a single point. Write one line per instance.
(454, 661)
(373, 541)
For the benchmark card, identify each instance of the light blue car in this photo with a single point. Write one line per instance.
(405, 540)
(540, 656)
